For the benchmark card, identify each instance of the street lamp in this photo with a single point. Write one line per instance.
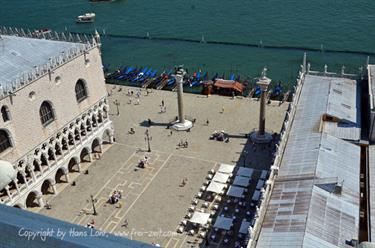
(93, 204)
(148, 138)
(117, 103)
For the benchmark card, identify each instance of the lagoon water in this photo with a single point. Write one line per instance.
(331, 24)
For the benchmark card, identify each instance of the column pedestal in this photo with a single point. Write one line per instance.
(261, 138)
(182, 126)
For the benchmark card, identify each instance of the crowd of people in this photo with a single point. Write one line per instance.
(115, 197)
(137, 96)
(219, 136)
(183, 144)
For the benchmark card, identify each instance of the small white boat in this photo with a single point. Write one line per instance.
(86, 18)
(39, 32)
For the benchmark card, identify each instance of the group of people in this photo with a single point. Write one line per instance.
(184, 181)
(143, 162)
(163, 108)
(91, 224)
(137, 95)
(220, 136)
(183, 144)
(115, 197)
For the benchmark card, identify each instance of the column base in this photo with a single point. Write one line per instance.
(261, 139)
(178, 126)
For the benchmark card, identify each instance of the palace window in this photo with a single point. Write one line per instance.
(46, 113)
(5, 113)
(4, 141)
(81, 92)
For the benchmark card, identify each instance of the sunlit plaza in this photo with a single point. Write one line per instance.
(158, 202)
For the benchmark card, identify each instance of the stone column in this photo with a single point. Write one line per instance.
(53, 185)
(262, 111)
(181, 124)
(23, 174)
(79, 164)
(8, 192)
(261, 136)
(67, 177)
(111, 136)
(15, 183)
(180, 102)
(90, 158)
(39, 198)
(39, 162)
(31, 169)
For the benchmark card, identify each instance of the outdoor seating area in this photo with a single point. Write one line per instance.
(226, 206)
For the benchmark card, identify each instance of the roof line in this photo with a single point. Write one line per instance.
(88, 43)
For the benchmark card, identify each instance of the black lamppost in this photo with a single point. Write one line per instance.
(93, 204)
(148, 138)
(117, 103)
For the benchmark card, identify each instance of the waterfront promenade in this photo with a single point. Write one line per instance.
(153, 203)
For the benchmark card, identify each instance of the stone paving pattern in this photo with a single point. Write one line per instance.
(152, 200)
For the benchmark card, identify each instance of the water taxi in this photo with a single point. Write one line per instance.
(86, 18)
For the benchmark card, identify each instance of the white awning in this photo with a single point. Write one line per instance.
(244, 227)
(235, 191)
(221, 177)
(226, 168)
(264, 174)
(215, 187)
(245, 172)
(223, 223)
(256, 196)
(260, 184)
(241, 181)
(200, 218)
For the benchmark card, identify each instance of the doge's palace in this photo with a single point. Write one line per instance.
(54, 112)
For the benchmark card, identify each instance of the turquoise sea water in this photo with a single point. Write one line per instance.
(335, 24)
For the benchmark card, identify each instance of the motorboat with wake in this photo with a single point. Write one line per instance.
(86, 18)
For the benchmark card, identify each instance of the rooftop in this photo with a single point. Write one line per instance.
(19, 55)
(315, 200)
(26, 56)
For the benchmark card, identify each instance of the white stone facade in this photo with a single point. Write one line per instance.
(44, 154)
